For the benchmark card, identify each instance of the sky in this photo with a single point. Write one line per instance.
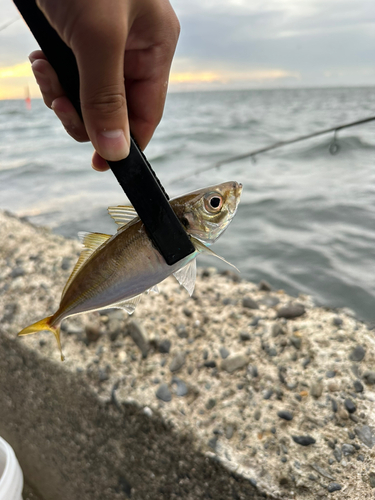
(239, 44)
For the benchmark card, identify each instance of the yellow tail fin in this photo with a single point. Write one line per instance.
(44, 324)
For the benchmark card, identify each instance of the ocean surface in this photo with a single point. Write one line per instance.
(306, 222)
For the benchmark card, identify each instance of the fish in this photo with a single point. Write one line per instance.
(114, 271)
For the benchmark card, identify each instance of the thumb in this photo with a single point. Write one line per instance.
(99, 51)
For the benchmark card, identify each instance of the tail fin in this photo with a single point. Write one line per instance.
(44, 324)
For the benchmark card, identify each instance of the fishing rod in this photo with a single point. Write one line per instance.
(333, 147)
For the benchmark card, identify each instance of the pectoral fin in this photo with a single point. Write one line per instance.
(203, 249)
(186, 276)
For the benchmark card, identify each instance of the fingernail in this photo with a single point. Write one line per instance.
(112, 144)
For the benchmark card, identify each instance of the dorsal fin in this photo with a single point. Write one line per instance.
(122, 214)
(91, 242)
(186, 276)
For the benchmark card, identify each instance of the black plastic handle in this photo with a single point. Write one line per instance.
(133, 173)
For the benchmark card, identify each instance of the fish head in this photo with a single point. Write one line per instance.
(206, 213)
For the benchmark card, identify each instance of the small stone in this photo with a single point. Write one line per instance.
(177, 362)
(255, 321)
(211, 363)
(296, 342)
(257, 415)
(304, 440)
(249, 303)
(361, 458)
(234, 362)
(357, 354)
(369, 377)
(371, 477)
(270, 301)
(188, 313)
(337, 321)
(92, 332)
(163, 393)
(181, 389)
(350, 406)
(365, 435)
(331, 374)
(277, 329)
(182, 332)
(285, 415)
(267, 394)
(139, 335)
(244, 336)
(291, 311)
(343, 414)
(210, 403)
(212, 443)
(334, 405)
(224, 353)
(306, 362)
(66, 263)
(229, 430)
(272, 352)
(316, 389)
(165, 346)
(347, 449)
(337, 454)
(264, 286)
(17, 272)
(334, 487)
(351, 435)
(333, 387)
(358, 387)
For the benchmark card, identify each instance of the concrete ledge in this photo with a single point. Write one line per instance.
(237, 393)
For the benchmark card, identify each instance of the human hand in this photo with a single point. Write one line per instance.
(112, 40)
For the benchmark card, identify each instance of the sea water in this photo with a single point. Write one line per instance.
(306, 221)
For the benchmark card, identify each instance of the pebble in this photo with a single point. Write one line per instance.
(182, 332)
(361, 458)
(291, 311)
(270, 301)
(229, 430)
(333, 387)
(249, 303)
(334, 405)
(357, 354)
(365, 435)
(264, 286)
(304, 440)
(224, 353)
(17, 272)
(322, 471)
(316, 389)
(347, 449)
(369, 377)
(350, 406)
(177, 362)
(330, 374)
(211, 363)
(181, 389)
(337, 321)
(371, 477)
(334, 487)
(337, 454)
(139, 335)
(257, 415)
(92, 332)
(244, 336)
(277, 329)
(306, 362)
(267, 394)
(66, 263)
(234, 362)
(285, 415)
(358, 387)
(164, 393)
(296, 342)
(165, 346)
(210, 403)
(188, 313)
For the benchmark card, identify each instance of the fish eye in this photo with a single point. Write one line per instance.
(213, 202)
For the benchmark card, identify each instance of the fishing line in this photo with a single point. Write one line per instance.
(334, 148)
(8, 23)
